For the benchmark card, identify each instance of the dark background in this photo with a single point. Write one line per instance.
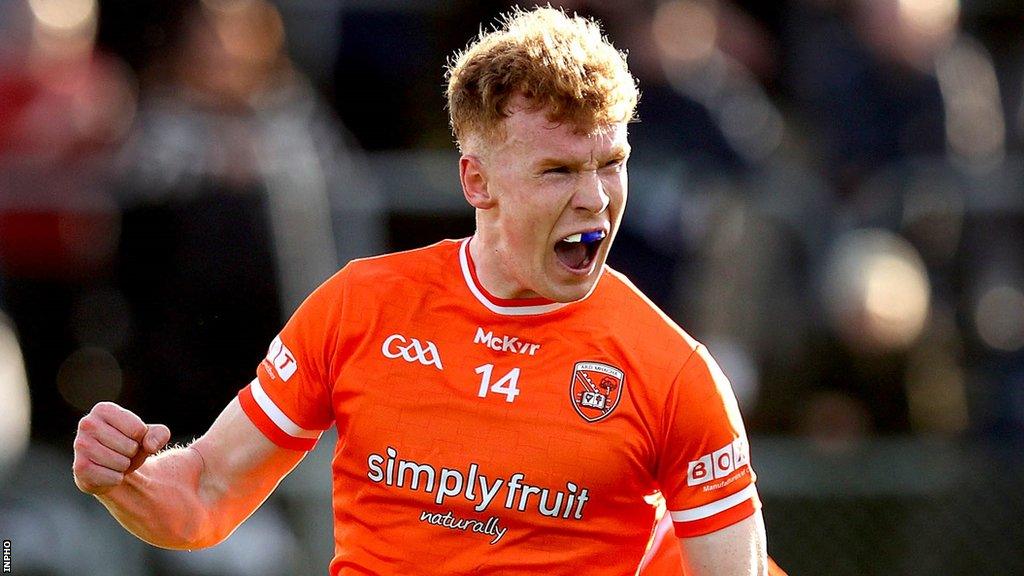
(828, 193)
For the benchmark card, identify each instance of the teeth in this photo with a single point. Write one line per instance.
(587, 237)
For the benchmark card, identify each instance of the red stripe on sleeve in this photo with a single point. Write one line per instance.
(260, 419)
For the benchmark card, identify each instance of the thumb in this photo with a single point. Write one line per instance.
(156, 437)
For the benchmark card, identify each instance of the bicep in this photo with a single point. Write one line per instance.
(736, 550)
(241, 467)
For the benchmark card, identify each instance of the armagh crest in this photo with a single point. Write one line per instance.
(595, 389)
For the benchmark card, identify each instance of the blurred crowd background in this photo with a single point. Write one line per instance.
(828, 193)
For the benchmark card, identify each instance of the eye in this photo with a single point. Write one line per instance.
(557, 170)
(616, 163)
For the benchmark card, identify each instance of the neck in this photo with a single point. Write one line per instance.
(492, 272)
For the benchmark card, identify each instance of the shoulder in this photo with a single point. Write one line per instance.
(636, 315)
(389, 276)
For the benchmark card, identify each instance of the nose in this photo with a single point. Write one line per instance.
(590, 193)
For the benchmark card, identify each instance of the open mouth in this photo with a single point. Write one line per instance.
(577, 251)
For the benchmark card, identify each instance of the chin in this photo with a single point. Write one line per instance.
(574, 292)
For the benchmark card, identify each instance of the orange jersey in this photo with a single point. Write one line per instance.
(480, 435)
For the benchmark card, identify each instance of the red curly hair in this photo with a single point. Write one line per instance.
(559, 63)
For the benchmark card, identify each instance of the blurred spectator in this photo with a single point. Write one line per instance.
(65, 107)
(704, 119)
(678, 142)
(726, 228)
(242, 193)
(908, 109)
(861, 70)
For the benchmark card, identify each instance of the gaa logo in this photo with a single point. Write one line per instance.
(596, 389)
(411, 350)
(719, 464)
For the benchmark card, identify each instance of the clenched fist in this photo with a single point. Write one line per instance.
(111, 443)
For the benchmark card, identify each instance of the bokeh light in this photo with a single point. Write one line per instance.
(752, 124)
(88, 376)
(63, 29)
(999, 317)
(67, 16)
(975, 127)
(14, 426)
(877, 291)
(930, 17)
(685, 30)
(248, 29)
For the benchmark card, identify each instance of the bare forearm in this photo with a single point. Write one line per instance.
(738, 550)
(162, 502)
(182, 498)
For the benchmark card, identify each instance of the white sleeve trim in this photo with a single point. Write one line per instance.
(277, 416)
(708, 510)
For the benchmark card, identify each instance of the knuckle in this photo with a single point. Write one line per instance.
(84, 444)
(109, 410)
(80, 444)
(84, 477)
(87, 423)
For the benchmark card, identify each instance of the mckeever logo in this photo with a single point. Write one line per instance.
(411, 350)
(505, 343)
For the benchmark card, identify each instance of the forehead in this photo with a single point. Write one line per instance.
(529, 133)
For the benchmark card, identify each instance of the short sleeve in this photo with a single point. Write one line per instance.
(290, 398)
(704, 470)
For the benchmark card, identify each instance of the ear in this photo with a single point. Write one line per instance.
(474, 182)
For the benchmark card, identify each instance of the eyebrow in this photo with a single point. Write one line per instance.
(618, 152)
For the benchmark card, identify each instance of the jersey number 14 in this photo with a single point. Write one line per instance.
(507, 384)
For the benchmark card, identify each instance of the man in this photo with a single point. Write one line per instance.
(504, 403)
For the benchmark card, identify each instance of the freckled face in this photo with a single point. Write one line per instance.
(558, 200)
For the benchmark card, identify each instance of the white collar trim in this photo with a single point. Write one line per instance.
(503, 310)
